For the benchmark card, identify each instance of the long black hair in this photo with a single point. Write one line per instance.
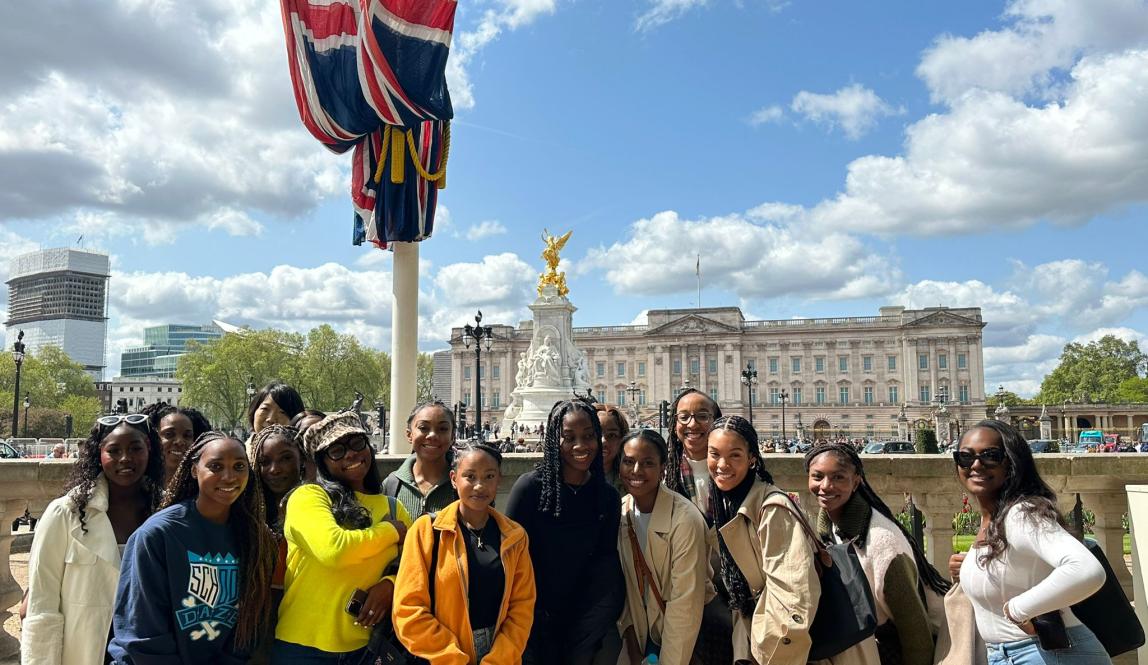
(282, 394)
(291, 435)
(605, 410)
(846, 454)
(550, 468)
(87, 469)
(157, 412)
(1023, 487)
(248, 522)
(674, 479)
(348, 512)
(725, 505)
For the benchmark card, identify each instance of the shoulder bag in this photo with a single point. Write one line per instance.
(1107, 613)
(846, 614)
(384, 645)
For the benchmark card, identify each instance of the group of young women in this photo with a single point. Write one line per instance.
(174, 544)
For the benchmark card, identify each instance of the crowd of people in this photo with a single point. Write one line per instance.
(177, 544)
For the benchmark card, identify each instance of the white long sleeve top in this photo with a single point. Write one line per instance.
(1044, 568)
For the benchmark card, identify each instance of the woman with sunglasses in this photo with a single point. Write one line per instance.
(75, 561)
(341, 536)
(1024, 563)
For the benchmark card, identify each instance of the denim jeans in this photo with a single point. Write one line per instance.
(288, 653)
(1085, 650)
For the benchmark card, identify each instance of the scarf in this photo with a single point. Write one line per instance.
(726, 505)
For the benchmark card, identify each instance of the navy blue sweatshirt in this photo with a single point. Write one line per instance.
(178, 594)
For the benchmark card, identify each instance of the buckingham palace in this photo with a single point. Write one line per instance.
(823, 377)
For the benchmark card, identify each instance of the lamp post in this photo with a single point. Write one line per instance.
(250, 391)
(380, 409)
(783, 397)
(18, 356)
(27, 404)
(481, 336)
(749, 380)
(632, 392)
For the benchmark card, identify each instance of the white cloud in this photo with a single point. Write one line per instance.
(1126, 334)
(994, 163)
(1043, 36)
(485, 229)
(751, 259)
(156, 116)
(766, 115)
(854, 108)
(468, 44)
(661, 12)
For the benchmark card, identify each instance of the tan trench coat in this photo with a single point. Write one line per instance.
(677, 554)
(772, 550)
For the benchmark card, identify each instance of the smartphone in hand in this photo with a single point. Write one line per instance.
(355, 604)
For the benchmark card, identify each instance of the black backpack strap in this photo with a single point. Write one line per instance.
(433, 560)
(391, 485)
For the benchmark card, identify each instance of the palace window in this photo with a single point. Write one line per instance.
(819, 364)
(600, 369)
(820, 394)
(795, 363)
(843, 394)
(773, 365)
(892, 362)
(924, 393)
(620, 368)
(867, 363)
(868, 394)
(922, 361)
(893, 395)
(842, 363)
(962, 361)
(942, 361)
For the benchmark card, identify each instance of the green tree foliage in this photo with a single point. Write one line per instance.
(925, 441)
(55, 385)
(1134, 389)
(325, 367)
(1008, 397)
(424, 376)
(1093, 372)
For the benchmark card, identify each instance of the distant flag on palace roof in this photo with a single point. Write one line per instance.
(370, 75)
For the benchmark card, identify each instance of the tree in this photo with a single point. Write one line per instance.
(55, 383)
(325, 367)
(1093, 372)
(925, 442)
(424, 379)
(1134, 389)
(1008, 397)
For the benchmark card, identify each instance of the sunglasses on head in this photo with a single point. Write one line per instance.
(990, 457)
(337, 451)
(117, 418)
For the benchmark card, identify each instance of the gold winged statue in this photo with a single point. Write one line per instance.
(550, 255)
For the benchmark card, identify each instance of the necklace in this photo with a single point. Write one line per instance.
(477, 535)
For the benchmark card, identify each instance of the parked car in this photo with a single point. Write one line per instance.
(8, 452)
(889, 447)
(1044, 446)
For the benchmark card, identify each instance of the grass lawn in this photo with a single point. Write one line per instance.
(962, 543)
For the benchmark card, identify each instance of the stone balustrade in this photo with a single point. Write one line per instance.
(1100, 479)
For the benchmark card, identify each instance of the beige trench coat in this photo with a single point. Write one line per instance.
(774, 553)
(677, 554)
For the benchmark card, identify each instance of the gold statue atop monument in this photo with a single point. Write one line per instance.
(550, 255)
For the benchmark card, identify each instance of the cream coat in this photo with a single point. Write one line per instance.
(72, 579)
(772, 550)
(678, 556)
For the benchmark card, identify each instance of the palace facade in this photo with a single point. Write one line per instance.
(846, 376)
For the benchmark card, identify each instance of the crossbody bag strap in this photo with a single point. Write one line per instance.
(643, 569)
(433, 561)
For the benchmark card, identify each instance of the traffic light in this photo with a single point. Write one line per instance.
(664, 414)
(67, 425)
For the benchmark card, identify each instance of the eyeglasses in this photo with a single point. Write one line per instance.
(701, 418)
(116, 419)
(991, 457)
(337, 451)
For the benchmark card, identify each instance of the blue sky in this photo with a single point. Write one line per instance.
(822, 158)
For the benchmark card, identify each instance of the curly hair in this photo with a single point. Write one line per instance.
(157, 412)
(1023, 488)
(248, 523)
(550, 468)
(291, 436)
(740, 594)
(674, 479)
(87, 469)
(847, 455)
(346, 509)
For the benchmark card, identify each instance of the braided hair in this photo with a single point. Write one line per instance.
(845, 454)
(291, 436)
(87, 469)
(674, 479)
(550, 468)
(725, 506)
(247, 520)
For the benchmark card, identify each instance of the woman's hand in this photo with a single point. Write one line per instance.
(377, 605)
(955, 562)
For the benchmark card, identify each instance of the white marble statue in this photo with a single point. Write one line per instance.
(522, 379)
(545, 365)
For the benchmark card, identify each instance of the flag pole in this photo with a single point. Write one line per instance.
(698, 272)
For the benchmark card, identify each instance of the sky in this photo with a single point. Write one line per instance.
(817, 158)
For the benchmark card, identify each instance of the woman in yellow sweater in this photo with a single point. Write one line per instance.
(480, 605)
(341, 536)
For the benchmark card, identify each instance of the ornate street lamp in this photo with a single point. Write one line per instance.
(632, 392)
(783, 397)
(481, 336)
(749, 380)
(18, 356)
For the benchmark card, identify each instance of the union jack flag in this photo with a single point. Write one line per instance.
(370, 75)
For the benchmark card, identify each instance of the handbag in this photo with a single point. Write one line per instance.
(1107, 613)
(846, 614)
(383, 644)
(958, 642)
